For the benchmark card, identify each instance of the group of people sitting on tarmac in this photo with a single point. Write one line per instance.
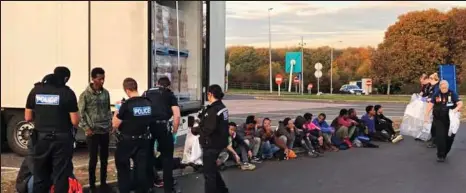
(256, 140)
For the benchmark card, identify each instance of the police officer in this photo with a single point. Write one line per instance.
(53, 108)
(442, 101)
(165, 106)
(131, 122)
(213, 138)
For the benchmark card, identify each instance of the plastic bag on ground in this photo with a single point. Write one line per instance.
(187, 147)
(454, 122)
(196, 152)
(413, 119)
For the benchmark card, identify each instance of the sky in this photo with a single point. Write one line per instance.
(321, 23)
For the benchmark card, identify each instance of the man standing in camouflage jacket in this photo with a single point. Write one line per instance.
(96, 121)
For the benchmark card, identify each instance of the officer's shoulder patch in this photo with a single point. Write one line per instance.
(142, 111)
(223, 112)
(47, 99)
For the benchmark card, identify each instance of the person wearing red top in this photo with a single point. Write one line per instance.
(345, 127)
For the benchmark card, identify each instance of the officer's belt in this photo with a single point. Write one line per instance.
(134, 137)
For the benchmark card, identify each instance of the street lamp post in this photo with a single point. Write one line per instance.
(270, 54)
(331, 68)
(302, 44)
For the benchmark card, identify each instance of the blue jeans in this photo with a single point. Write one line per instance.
(269, 149)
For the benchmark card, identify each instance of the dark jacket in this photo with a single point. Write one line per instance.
(214, 126)
(282, 130)
(238, 141)
(94, 110)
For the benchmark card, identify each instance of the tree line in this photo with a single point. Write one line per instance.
(417, 43)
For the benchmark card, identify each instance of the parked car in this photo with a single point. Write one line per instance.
(351, 89)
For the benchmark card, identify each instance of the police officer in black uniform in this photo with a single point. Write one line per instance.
(131, 125)
(165, 106)
(213, 138)
(53, 108)
(442, 101)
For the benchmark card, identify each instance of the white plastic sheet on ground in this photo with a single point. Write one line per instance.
(413, 119)
(192, 150)
(454, 122)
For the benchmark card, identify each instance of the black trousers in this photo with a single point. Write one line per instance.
(137, 150)
(442, 140)
(98, 145)
(388, 127)
(433, 133)
(166, 146)
(213, 182)
(52, 159)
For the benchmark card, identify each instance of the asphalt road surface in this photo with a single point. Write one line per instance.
(406, 167)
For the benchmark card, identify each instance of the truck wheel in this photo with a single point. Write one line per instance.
(18, 133)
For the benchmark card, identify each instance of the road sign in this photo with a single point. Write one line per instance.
(318, 74)
(296, 80)
(318, 66)
(293, 59)
(278, 79)
(309, 86)
(369, 82)
(228, 67)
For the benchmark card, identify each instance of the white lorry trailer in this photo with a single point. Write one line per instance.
(137, 39)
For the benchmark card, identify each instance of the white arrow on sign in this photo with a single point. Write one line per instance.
(318, 66)
(292, 62)
(318, 74)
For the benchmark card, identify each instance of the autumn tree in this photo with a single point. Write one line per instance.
(417, 43)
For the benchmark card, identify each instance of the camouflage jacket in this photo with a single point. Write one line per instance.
(94, 110)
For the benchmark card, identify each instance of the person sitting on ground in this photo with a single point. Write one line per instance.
(360, 127)
(383, 123)
(267, 135)
(312, 131)
(302, 137)
(345, 127)
(369, 121)
(249, 132)
(238, 146)
(286, 132)
(326, 131)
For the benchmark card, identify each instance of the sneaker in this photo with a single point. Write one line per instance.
(247, 166)
(313, 154)
(159, 183)
(441, 159)
(397, 139)
(431, 145)
(256, 160)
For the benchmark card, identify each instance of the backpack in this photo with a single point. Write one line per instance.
(73, 186)
(160, 109)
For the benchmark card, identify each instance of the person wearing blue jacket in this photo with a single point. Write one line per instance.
(326, 130)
